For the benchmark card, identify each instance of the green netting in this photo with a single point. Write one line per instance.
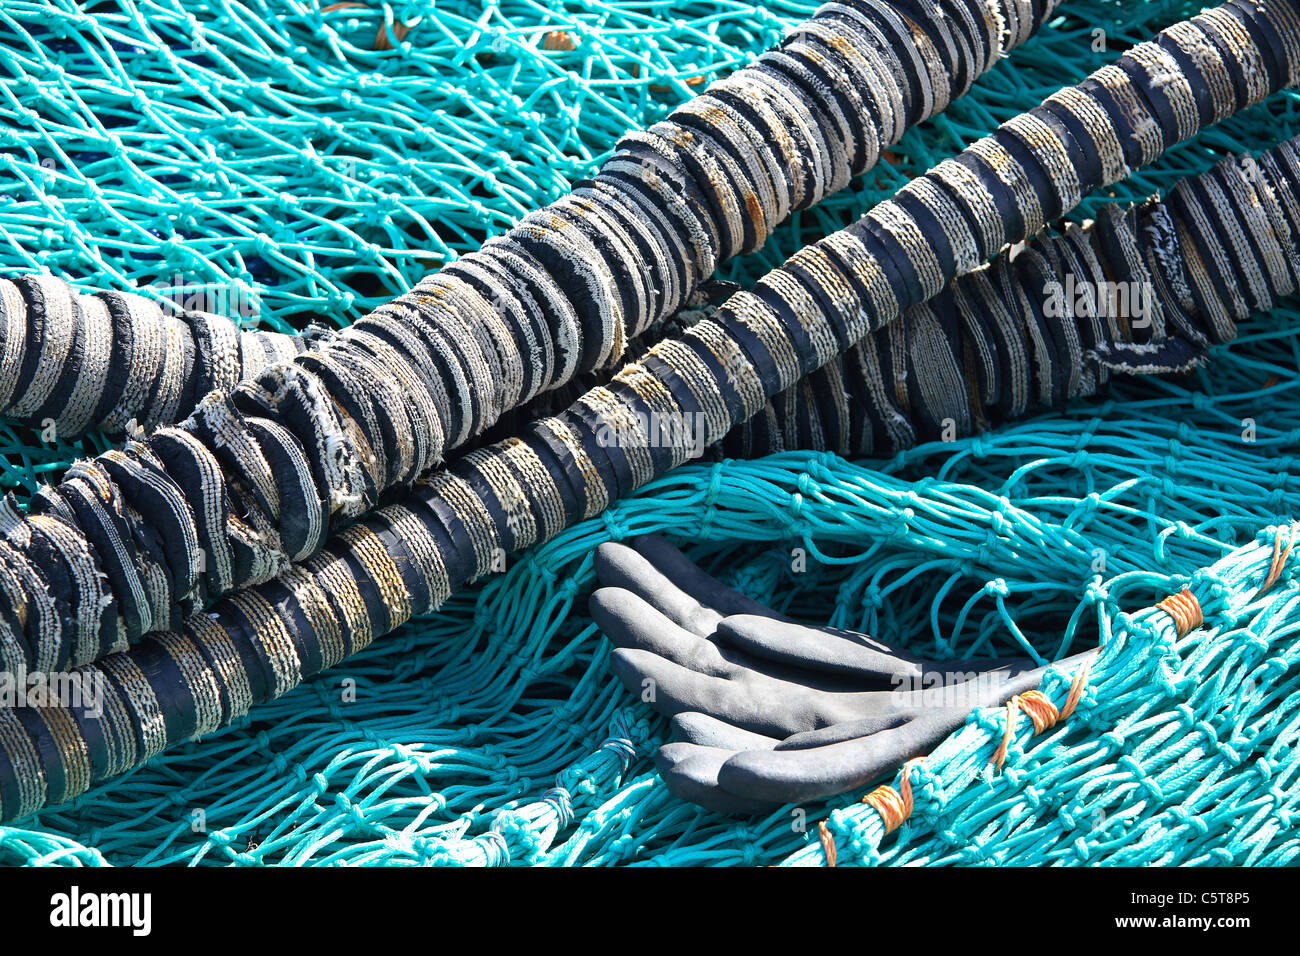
(268, 151)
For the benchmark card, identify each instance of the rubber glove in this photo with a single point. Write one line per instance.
(766, 710)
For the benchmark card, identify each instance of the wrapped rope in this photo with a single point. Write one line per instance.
(255, 479)
(1130, 293)
(568, 287)
(72, 360)
(407, 558)
(1051, 324)
(974, 356)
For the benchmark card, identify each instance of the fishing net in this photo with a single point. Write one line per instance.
(311, 160)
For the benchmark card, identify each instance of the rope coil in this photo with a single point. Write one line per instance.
(894, 806)
(1185, 610)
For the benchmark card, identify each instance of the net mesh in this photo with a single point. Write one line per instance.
(271, 153)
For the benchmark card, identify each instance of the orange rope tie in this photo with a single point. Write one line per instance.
(1041, 711)
(1076, 690)
(894, 806)
(828, 842)
(1279, 557)
(1185, 610)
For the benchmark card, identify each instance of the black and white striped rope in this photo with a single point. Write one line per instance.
(254, 479)
(71, 360)
(1130, 293)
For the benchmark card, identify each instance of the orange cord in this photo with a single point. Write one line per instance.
(828, 842)
(894, 806)
(1185, 610)
(1041, 711)
(1279, 558)
(1076, 690)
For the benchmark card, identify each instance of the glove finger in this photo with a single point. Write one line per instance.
(691, 773)
(791, 776)
(966, 689)
(798, 769)
(618, 566)
(949, 705)
(629, 621)
(941, 704)
(706, 731)
(850, 655)
(826, 649)
(688, 578)
(760, 704)
(846, 730)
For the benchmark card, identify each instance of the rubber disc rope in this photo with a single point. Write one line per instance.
(256, 478)
(989, 347)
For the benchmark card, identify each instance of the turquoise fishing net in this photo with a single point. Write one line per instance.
(267, 152)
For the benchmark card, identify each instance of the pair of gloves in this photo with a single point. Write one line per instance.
(767, 711)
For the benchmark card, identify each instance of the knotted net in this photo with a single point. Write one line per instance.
(268, 158)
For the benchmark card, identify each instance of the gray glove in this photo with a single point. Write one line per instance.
(766, 710)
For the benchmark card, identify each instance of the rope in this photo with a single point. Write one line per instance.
(1185, 610)
(1280, 555)
(895, 806)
